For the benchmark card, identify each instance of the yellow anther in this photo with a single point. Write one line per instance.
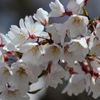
(54, 49)
(76, 20)
(56, 29)
(21, 36)
(57, 8)
(71, 43)
(33, 31)
(69, 53)
(44, 46)
(13, 93)
(79, 44)
(94, 55)
(21, 73)
(34, 50)
(6, 71)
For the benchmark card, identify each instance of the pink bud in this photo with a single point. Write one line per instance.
(6, 58)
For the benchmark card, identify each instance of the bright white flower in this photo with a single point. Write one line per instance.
(13, 93)
(36, 86)
(41, 16)
(57, 9)
(32, 53)
(79, 48)
(97, 31)
(67, 55)
(22, 76)
(33, 28)
(55, 75)
(5, 75)
(76, 25)
(17, 37)
(76, 83)
(76, 6)
(36, 70)
(75, 87)
(95, 88)
(52, 52)
(95, 63)
(53, 29)
(95, 47)
(3, 41)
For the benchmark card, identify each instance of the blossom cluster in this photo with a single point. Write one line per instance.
(37, 48)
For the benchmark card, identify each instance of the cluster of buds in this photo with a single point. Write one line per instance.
(37, 48)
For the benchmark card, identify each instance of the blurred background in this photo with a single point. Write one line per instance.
(12, 10)
(10, 13)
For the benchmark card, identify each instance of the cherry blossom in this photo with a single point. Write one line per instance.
(79, 47)
(76, 24)
(41, 16)
(52, 52)
(76, 6)
(21, 76)
(54, 76)
(57, 9)
(68, 51)
(5, 74)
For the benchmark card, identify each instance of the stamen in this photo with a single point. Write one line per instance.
(54, 49)
(21, 36)
(34, 50)
(76, 21)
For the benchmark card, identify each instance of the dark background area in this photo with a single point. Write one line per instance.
(12, 10)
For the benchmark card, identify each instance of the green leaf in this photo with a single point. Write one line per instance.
(36, 91)
(85, 12)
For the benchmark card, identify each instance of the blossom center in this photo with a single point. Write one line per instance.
(57, 8)
(33, 30)
(34, 50)
(21, 36)
(13, 93)
(6, 71)
(76, 21)
(54, 49)
(22, 73)
(66, 50)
